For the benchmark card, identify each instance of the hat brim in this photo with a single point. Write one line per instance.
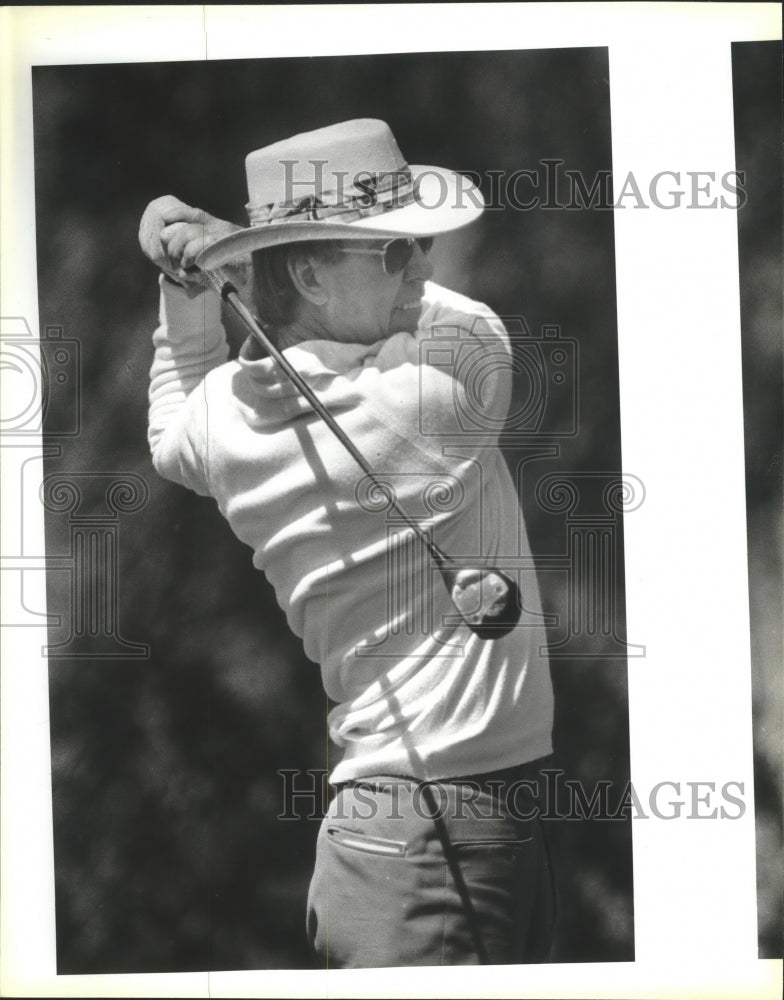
(446, 200)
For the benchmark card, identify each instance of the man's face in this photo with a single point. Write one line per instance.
(365, 304)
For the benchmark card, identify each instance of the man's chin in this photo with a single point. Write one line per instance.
(405, 320)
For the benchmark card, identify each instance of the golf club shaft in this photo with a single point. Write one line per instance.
(227, 291)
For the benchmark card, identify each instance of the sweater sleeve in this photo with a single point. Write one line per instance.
(189, 342)
(466, 339)
(461, 352)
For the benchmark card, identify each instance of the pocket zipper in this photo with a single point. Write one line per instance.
(370, 845)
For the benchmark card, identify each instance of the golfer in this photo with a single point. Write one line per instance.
(431, 852)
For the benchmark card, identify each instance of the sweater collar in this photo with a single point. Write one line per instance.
(313, 359)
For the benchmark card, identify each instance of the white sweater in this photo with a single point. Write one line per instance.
(417, 692)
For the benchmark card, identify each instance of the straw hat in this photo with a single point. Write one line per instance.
(345, 181)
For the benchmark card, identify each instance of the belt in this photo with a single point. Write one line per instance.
(498, 780)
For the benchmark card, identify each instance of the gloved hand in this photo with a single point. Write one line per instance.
(172, 233)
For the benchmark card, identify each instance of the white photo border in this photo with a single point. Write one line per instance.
(690, 698)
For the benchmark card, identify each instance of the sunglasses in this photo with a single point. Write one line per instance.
(395, 254)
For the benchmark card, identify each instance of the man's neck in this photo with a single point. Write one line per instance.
(300, 330)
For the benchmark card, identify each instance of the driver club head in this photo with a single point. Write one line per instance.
(487, 599)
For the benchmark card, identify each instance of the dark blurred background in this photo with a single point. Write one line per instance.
(168, 853)
(757, 88)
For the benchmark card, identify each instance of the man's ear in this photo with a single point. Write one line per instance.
(305, 274)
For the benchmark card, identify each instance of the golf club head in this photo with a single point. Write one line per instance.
(487, 599)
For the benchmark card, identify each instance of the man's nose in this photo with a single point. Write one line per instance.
(420, 267)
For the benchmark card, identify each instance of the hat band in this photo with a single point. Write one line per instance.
(373, 194)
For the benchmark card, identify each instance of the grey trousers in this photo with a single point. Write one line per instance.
(451, 872)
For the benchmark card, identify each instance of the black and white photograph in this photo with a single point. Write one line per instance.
(385, 587)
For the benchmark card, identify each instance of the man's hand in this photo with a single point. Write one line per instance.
(172, 233)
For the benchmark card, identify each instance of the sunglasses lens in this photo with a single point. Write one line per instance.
(398, 254)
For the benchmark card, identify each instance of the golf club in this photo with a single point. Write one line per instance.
(488, 600)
